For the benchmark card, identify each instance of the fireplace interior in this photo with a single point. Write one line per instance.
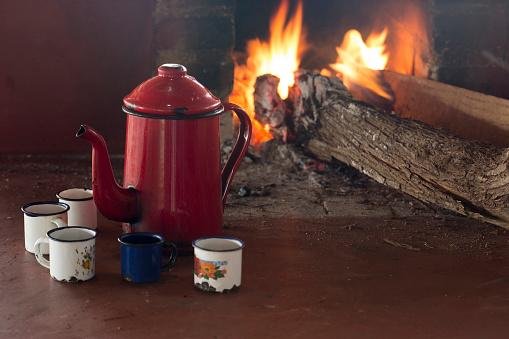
(373, 197)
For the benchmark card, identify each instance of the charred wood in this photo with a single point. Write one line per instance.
(269, 107)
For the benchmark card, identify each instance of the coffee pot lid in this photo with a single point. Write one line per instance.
(172, 94)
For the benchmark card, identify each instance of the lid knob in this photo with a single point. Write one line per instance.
(171, 70)
(166, 94)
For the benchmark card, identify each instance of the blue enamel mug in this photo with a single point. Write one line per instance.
(141, 255)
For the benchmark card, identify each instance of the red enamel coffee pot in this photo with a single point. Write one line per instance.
(173, 182)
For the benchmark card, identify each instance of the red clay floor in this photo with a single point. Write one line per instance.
(334, 277)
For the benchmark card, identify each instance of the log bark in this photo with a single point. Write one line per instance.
(467, 177)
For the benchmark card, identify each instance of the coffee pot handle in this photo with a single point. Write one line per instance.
(239, 149)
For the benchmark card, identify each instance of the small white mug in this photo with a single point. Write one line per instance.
(39, 218)
(71, 253)
(83, 211)
(217, 263)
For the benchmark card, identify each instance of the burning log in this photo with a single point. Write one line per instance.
(269, 107)
(467, 177)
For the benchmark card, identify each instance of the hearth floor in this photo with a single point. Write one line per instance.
(317, 264)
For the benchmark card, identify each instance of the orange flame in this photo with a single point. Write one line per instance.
(409, 41)
(280, 56)
(408, 45)
(358, 61)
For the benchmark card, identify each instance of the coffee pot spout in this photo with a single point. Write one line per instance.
(113, 201)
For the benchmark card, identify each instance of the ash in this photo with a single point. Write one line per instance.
(281, 179)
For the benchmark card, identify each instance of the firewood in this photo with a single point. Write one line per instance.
(468, 114)
(269, 107)
(464, 176)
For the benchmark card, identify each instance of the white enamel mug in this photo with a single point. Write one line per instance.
(39, 218)
(217, 263)
(83, 211)
(71, 253)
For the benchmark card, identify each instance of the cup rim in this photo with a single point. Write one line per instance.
(195, 245)
(33, 214)
(48, 234)
(59, 194)
(152, 234)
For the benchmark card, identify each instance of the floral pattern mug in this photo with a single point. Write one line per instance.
(71, 252)
(217, 263)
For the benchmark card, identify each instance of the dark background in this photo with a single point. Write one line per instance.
(67, 62)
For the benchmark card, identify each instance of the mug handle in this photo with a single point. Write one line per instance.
(59, 222)
(38, 254)
(172, 257)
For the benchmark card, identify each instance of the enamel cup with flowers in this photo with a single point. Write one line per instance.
(71, 252)
(217, 263)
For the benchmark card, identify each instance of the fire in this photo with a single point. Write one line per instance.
(409, 41)
(279, 56)
(403, 46)
(358, 62)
